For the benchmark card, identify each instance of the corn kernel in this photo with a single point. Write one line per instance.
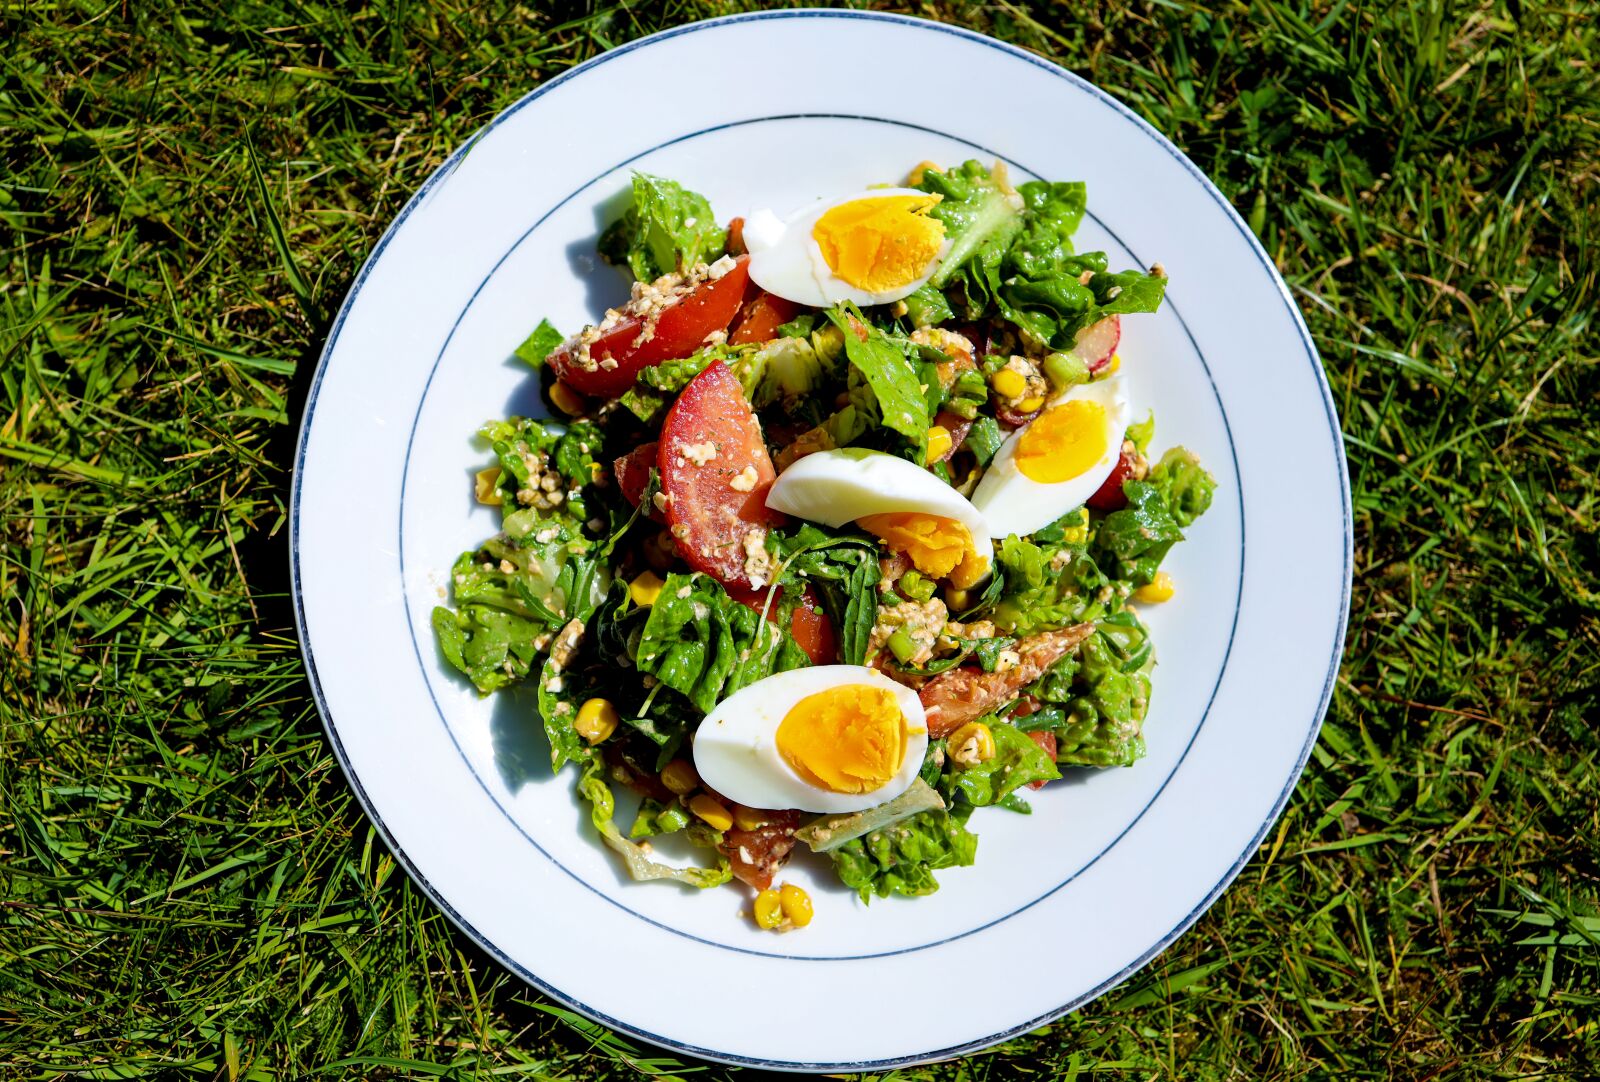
(486, 486)
(679, 776)
(1028, 405)
(796, 904)
(645, 589)
(1116, 363)
(1153, 593)
(939, 443)
(971, 744)
(1075, 535)
(957, 600)
(749, 818)
(707, 807)
(768, 909)
(566, 399)
(596, 720)
(1009, 382)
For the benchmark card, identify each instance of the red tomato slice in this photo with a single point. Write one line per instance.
(632, 471)
(1109, 496)
(810, 626)
(680, 329)
(715, 472)
(736, 236)
(1047, 744)
(761, 318)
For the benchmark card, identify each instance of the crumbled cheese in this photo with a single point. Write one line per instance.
(700, 453)
(684, 591)
(720, 267)
(1007, 660)
(923, 621)
(744, 480)
(700, 610)
(757, 560)
(662, 500)
(507, 567)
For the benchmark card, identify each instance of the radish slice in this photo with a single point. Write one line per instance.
(1097, 342)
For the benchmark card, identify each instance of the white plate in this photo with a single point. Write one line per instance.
(768, 110)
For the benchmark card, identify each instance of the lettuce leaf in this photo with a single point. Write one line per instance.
(539, 345)
(1185, 486)
(902, 858)
(981, 219)
(592, 787)
(1132, 542)
(667, 228)
(1053, 213)
(887, 371)
(1017, 760)
(828, 832)
(1097, 704)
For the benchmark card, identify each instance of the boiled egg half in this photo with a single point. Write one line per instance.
(937, 528)
(830, 738)
(1054, 463)
(870, 247)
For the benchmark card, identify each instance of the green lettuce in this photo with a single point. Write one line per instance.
(887, 370)
(1096, 704)
(592, 787)
(1185, 486)
(1017, 760)
(539, 345)
(1051, 215)
(492, 647)
(981, 219)
(901, 859)
(667, 228)
(1132, 542)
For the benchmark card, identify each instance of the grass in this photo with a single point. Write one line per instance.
(187, 888)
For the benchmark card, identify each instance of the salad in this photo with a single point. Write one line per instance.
(843, 535)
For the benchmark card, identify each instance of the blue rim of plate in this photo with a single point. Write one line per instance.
(443, 173)
(416, 639)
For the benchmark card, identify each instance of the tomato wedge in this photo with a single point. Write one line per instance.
(618, 353)
(1109, 496)
(810, 626)
(761, 318)
(715, 472)
(1047, 744)
(632, 471)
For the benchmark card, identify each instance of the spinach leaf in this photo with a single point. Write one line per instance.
(887, 370)
(1017, 760)
(706, 646)
(539, 345)
(984, 439)
(845, 572)
(901, 859)
(668, 228)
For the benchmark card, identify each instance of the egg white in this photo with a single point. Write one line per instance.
(786, 259)
(842, 485)
(1013, 503)
(736, 750)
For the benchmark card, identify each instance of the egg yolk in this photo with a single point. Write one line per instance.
(880, 244)
(938, 547)
(1063, 442)
(847, 739)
